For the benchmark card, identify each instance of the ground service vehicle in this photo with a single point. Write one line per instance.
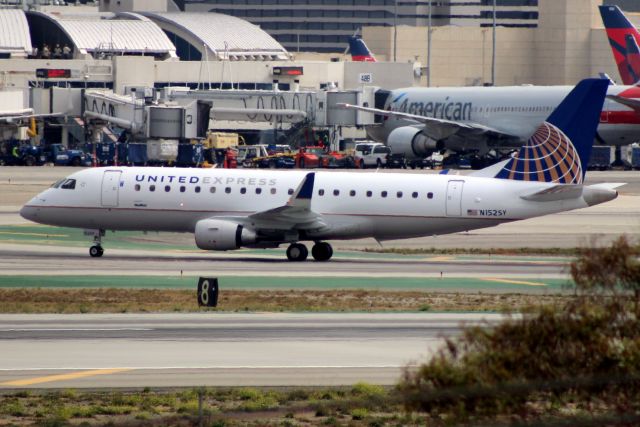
(371, 154)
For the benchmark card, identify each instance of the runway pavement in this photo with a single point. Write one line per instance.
(212, 349)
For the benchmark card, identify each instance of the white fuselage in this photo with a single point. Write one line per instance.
(351, 204)
(513, 110)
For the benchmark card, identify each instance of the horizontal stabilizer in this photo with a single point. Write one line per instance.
(629, 102)
(555, 193)
(608, 185)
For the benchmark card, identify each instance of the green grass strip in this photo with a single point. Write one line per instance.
(249, 282)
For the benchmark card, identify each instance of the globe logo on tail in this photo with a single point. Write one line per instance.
(549, 156)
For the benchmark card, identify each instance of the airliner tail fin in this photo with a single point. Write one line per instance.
(359, 50)
(559, 150)
(618, 28)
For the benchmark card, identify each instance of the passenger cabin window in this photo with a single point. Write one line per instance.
(369, 193)
(321, 192)
(197, 189)
(69, 184)
(336, 192)
(414, 194)
(243, 190)
(227, 190)
(383, 194)
(167, 188)
(429, 195)
(258, 190)
(183, 188)
(211, 190)
(137, 187)
(399, 194)
(352, 193)
(273, 191)
(152, 188)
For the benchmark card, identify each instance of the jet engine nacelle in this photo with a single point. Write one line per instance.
(221, 235)
(411, 142)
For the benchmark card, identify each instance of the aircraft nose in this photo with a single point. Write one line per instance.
(28, 212)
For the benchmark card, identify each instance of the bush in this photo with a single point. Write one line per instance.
(586, 350)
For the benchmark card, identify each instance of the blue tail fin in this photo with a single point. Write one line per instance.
(359, 50)
(559, 150)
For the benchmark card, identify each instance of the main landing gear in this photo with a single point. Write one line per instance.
(96, 250)
(321, 251)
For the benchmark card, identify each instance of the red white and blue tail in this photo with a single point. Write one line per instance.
(359, 50)
(559, 150)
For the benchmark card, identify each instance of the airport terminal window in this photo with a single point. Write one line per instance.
(197, 189)
(352, 193)
(320, 192)
(429, 195)
(137, 187)
(414, 194)
(152, 188)
(273, 191)
(69, 184)
(167, 188)
(399, 194)
(258, 190)
(383, 194)
(243, 190)
(369, 193)
(183, 188)
(336, 192)
(227, 190)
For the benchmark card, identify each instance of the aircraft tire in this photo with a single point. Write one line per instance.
(96, 251)
(322, 251)
(297, 252)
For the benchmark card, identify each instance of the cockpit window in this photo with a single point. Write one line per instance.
(58, 183)
(69, 184)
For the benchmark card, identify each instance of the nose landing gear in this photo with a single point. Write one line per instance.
(96, 250)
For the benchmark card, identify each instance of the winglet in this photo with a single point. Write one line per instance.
(303, 193)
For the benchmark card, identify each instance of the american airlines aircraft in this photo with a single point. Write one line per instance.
(359, 50)
(227, 209)
(418, 121)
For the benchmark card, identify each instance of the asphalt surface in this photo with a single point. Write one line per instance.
(31, 260)
(167, 350)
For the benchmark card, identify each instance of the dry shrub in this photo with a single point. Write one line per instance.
(585, 351)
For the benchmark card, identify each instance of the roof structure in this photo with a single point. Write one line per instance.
(106, 32)
(225, 36)
(14, 32)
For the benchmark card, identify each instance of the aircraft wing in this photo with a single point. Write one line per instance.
(629, 102)
(439, 128)
(295, 214)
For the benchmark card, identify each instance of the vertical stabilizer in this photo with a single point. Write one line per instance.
(559, 150)
(618, 28)
(359, 50)
(633, 57)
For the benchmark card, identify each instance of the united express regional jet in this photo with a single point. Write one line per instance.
(227, 209)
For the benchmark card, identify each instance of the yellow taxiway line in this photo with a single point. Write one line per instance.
(513, 282)
(63, 377)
